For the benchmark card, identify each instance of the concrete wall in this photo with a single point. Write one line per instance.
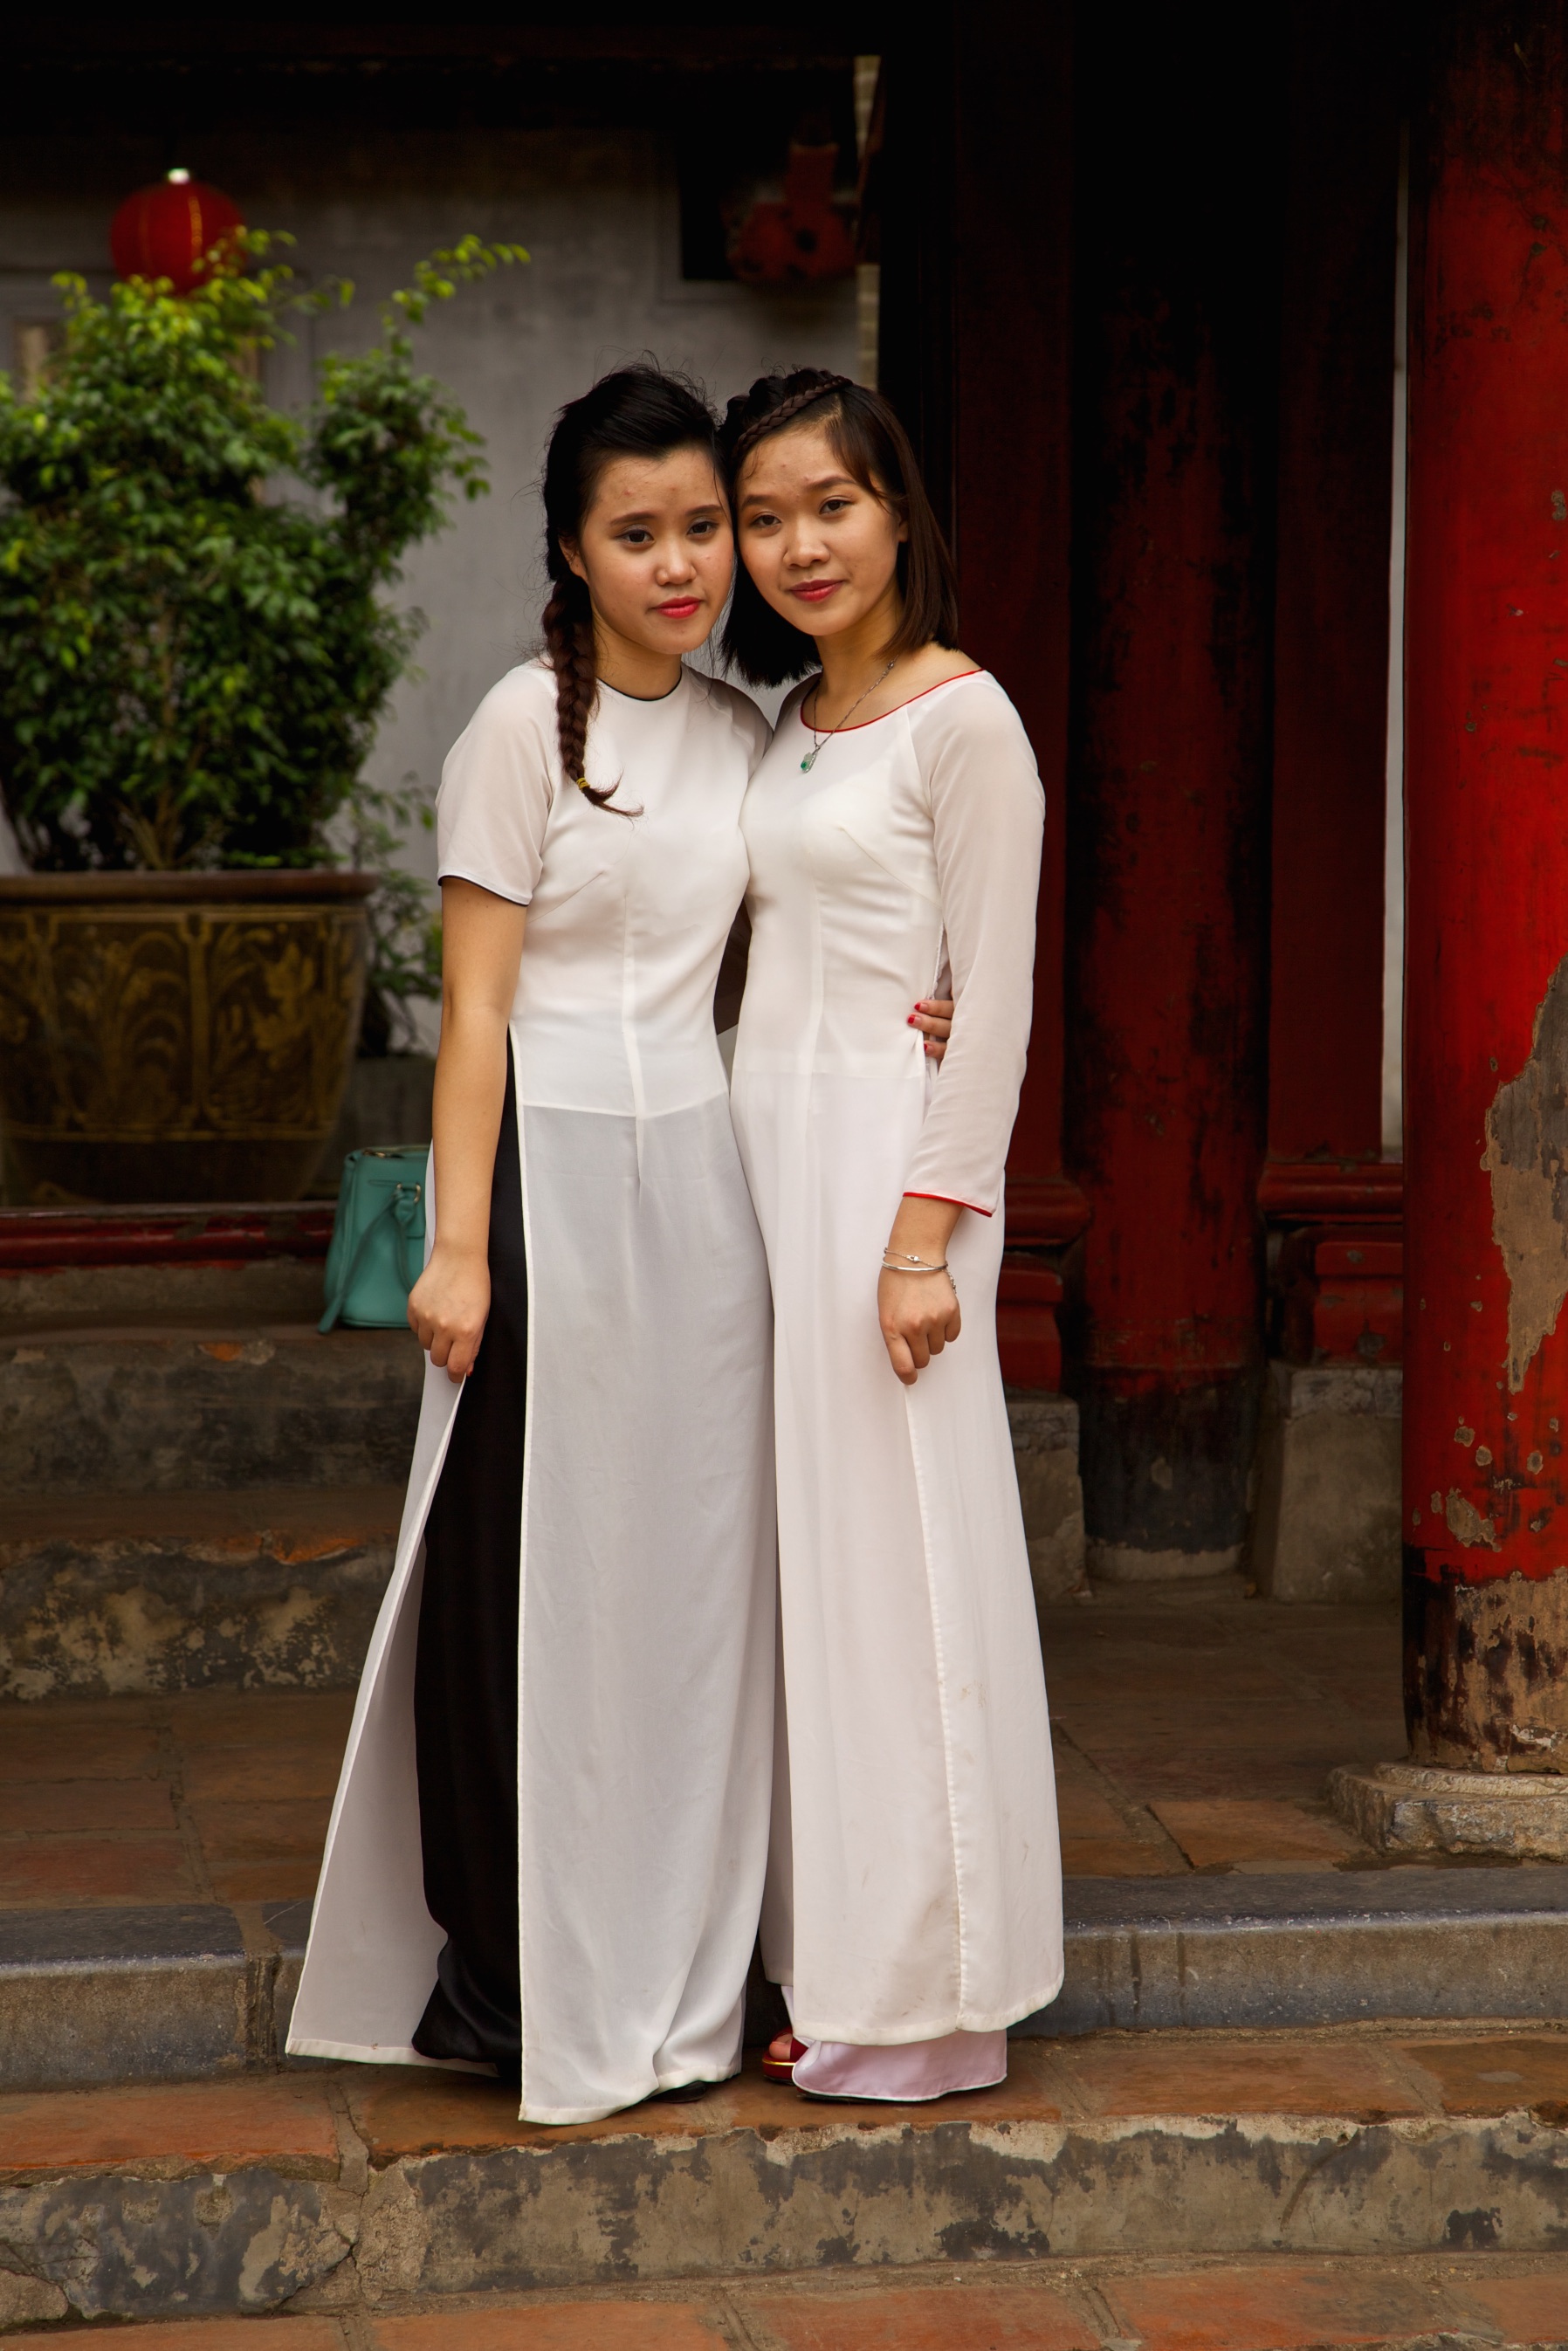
(599, 213)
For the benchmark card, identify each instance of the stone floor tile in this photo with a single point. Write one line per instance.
(290, 1827)
(1494, 2074)
(552, 2326)
(1123, 1855)
(247, 2120)
(1086, 1811)
(1270, 2306)
(961, 2318)
(203, 2334)
(67, 1742)
(1181, 2075)
(1105, 1732)
(46, 1807)
(227, 1718)
(266, 1881)
(292, 1769)
(1221, 1831)
(1531, 2310)
(407, 2110)
(1150, 1772)
(67, 1869)
(1252, 1716)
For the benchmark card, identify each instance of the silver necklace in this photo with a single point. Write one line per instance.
(818, 742)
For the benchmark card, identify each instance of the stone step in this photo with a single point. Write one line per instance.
(198, 1401)
(114, 1576)
(160, 1591)
(353, 2190)
(128, 1410)
(67, 1268)
(160, 1992)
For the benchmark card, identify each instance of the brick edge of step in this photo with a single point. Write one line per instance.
(146, 1993)
(343, 2193)
(1328, 1947)
(92, 1996)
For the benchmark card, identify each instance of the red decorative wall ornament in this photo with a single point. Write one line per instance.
(801, 239)
(169, 229)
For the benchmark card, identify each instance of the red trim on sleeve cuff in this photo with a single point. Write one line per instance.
(948, 1196)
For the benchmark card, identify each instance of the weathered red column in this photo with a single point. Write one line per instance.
(974, 190)
(1486, 1064)
(1168, 868)
(1331, 606)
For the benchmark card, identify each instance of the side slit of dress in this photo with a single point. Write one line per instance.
(465, 1675)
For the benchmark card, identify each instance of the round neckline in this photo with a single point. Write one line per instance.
(646, 701)
(801, 720)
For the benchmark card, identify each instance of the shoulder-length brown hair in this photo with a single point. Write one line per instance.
(874, 449)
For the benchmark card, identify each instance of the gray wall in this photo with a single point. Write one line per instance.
(598, 212)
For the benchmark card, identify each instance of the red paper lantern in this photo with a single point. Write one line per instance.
(168, 230)
(803, 238)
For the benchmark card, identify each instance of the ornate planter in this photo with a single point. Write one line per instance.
(176, 1036)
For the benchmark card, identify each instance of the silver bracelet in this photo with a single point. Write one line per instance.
(906, 1265)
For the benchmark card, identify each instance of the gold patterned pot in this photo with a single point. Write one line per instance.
(176, 1036)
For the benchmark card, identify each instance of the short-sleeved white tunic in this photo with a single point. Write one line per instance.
(916, 1888)
(647, 1626)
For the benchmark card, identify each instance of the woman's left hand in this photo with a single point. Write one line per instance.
(934, 1018)
(919, 1315)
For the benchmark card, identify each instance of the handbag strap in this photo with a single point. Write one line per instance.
(401, 1204)
(405, 1204)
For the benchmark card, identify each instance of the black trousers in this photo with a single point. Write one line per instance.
(465, 1677)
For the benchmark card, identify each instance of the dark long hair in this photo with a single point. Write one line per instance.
(874, 448)
(638, 412)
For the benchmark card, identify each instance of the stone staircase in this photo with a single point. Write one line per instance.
(196, 1488)
(1286, 2087)
(1192, 2190)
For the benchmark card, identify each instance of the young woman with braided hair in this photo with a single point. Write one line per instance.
(892, 832)
(550, 1835)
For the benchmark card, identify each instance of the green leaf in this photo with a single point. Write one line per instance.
(192, 672)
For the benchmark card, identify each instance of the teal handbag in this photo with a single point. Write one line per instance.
(377, 1252)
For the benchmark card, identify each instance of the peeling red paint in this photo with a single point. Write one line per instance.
(1486, 907)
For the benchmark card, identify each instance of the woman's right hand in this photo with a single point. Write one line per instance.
(448, 1307)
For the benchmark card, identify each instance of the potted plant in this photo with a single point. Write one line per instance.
(192, 669)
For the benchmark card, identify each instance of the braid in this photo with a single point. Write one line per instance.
(567, 626)
(742, 432)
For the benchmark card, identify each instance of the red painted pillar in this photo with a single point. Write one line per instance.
(975, 183)
(1167, 878)
(1011, 330)
(1486, 1066)
(1331, 616)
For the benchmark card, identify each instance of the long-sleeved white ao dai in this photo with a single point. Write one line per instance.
(915, 1887)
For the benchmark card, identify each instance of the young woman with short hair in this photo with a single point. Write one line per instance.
(894, 831)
